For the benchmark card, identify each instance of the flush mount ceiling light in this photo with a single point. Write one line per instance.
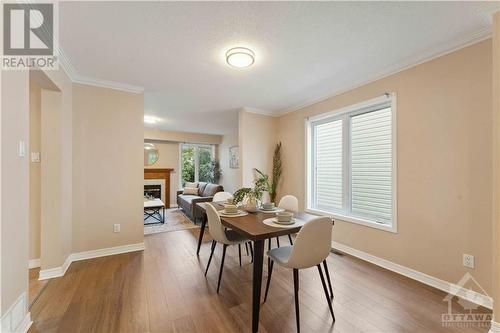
(150, 120)
(240, 57)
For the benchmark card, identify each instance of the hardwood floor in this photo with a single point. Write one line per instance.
(35, 286)
(163, 289)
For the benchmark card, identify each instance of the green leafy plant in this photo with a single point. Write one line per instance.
(277, 170)
(263, 180)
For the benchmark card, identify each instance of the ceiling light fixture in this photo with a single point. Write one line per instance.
(150, 120)
(240, 57)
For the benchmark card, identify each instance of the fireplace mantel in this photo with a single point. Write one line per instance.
(160, 174)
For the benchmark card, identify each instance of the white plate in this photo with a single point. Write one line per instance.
(272, 222)
(239, 214)
(269, 211)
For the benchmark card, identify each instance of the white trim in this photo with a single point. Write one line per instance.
(445, 286)
(80, 79)
(17, 317)
(107, 251)
(495, 327)
(365, 222)
(173, 205)
(343, 115)
(50, 273)
(61, 270)
(33, 263)
(261, 112)
(394, 69)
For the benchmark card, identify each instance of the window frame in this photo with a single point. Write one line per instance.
(345, 113)
(196, 147)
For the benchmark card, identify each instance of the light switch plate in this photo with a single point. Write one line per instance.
(116, 227)
(35, 157)
(22, 148)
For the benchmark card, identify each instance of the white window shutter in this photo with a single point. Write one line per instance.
(328, 163)
(371, 165)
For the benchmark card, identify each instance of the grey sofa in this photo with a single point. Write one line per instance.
(187, 202)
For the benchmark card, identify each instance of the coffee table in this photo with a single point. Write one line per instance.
(152, 209)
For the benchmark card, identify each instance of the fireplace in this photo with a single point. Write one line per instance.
(155, 179)
(152, 191)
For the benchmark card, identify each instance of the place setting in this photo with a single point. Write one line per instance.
(232, 211)
(270, 207)
(284, 220)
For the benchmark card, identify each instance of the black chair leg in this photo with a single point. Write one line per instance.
(251, 249)
(239, 252)
(270, 273)
(221, 265)
(269, 249)
(211, 255)
(325, 265)
(296, 292)
(326, 291)
(246, 248)
(290, 239)
(278, 241)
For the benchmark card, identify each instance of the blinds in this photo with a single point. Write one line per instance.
(371, 165)
(351, 166)
(328, 163)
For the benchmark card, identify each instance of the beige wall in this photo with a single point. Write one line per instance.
(35, 170)
(169, 158)
(173, 136)
(14, 194)
(444, 149)
(56, 167)
(257, 137)
(108, 167)
(496, 170)
(230, 178)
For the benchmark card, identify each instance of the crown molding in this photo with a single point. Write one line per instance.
(75, 77)
(408, 63)
(261, 112)
(80, 79)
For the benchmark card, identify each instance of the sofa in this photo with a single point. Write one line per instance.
(187, 202)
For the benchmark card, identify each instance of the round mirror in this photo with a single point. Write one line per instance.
(150, 154)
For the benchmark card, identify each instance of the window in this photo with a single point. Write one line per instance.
(196, 163)
(351, 164)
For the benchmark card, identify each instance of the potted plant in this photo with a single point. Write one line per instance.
(272, 186)
(251, 197)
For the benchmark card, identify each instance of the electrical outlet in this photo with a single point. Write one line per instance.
(116, 227)
(35, 157)
(468, 260)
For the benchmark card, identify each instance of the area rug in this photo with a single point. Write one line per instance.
(174, 220)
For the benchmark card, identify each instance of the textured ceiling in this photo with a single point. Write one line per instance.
(305, 51)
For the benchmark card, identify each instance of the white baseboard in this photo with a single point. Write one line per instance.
(494, 328)
(60, 271)
(34, 263)
(173, 205)
(17, 319)
(107, 251)
(445, 286)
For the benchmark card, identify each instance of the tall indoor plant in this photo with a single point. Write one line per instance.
(272, 185)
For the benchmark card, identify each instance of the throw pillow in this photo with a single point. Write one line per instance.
(189, 184)
(190, 190)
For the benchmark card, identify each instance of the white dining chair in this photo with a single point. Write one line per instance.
(312, 247)
(223, 236)
(222, 196)
(290, 203)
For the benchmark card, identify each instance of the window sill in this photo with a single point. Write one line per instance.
(365, 222)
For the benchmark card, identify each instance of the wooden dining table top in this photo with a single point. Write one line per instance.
(252, 225)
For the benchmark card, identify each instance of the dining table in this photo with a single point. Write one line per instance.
(252, 226)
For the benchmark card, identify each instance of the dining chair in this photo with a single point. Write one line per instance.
(312, 246)
(222, 196)
(223, 236)
(291, 203)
